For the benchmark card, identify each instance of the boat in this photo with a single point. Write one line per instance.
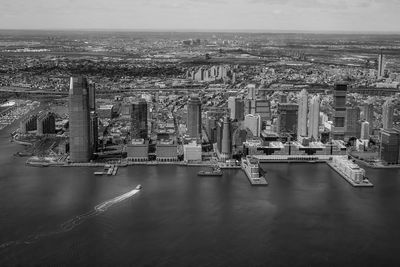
(139, 187)
(98, 173)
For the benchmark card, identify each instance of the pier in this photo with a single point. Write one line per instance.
(363, 183)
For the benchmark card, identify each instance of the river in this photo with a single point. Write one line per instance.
(307, 216)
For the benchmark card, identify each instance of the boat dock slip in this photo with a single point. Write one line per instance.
(108, 170)
(252, 170)
(351, 172)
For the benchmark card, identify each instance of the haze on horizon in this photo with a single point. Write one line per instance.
(259, 15)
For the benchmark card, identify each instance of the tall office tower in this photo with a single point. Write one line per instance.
(353, 126)
(381, 65)
(226, 147)
(302, 114)
(387, 114)
(46, 123)
(224, 138)
(236, 106)
(194, 117)
(251, 91)
(94, 131)
(313, 124)
(139, 127)
(211, 129)
(339, 115)
(287, 119)
(79, 120)
(92, 97)
(365, 130)
(253, 123)
(368, 115)
(390, 146)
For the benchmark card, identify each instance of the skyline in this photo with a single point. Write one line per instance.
(222, 15)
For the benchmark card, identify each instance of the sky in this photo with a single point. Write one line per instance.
(211, 15)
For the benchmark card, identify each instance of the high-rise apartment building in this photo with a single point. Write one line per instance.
(313, 123)
(302, 114)
(387, 114)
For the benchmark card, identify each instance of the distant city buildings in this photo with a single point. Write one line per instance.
(224, 138)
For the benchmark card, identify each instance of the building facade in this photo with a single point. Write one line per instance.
(79, 120)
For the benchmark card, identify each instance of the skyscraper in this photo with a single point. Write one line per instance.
(194, 117)
(364, 130)
(46, 123)
(302, 114)
(251, 92)
(381, 65)
(79, 118)
(390, 146)
(287, 118)
(92, 97)
(387, 114)
(313, 124)
(368, 115)
(139, 129)
(253, 123)
(94, 131)
(226, 149)
(236, 107)
(353, 125)
(224, 138)
(339, 105)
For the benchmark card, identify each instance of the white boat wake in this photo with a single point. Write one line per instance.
(72, 223)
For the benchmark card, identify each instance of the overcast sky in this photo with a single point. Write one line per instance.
(296, 15)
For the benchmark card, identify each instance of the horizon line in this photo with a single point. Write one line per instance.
(206, 30)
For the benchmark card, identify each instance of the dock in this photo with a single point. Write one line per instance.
(108, 170)
(364, 183)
